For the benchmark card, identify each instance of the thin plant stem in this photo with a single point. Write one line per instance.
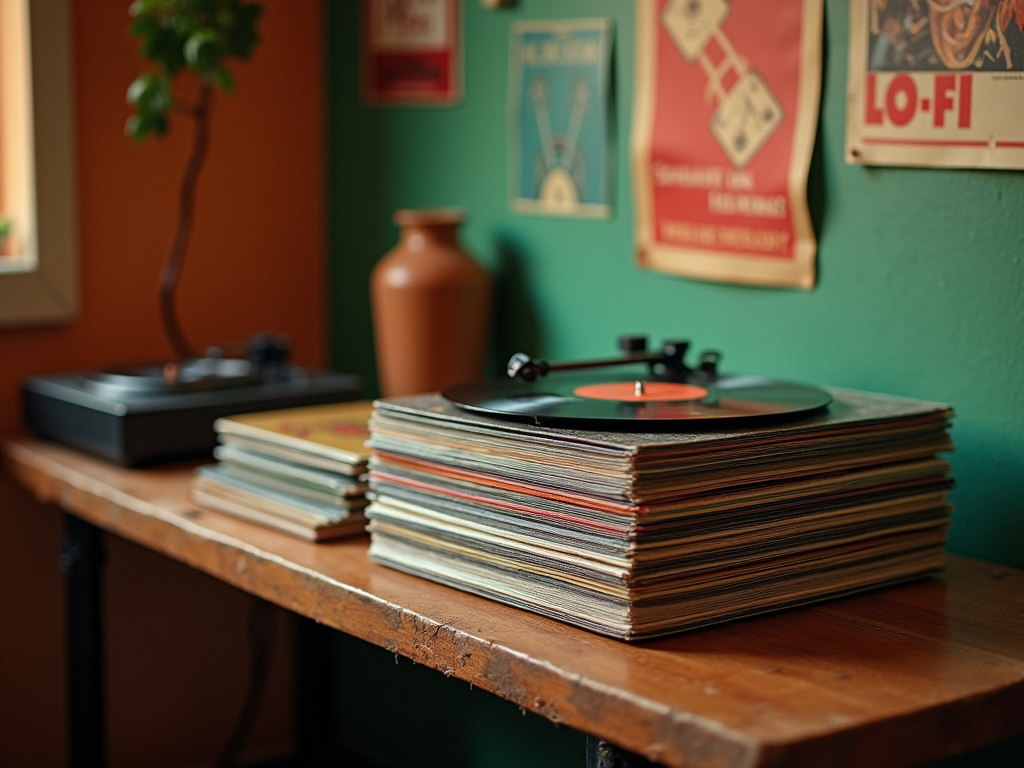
(183, 226)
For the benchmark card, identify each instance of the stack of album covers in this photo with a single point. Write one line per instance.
(300, 470)
(637, 535)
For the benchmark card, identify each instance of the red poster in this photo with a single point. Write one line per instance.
(727, 104)
(411, 52)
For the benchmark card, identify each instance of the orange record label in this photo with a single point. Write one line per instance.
(647, 392)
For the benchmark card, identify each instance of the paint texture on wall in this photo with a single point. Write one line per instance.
(921, 288)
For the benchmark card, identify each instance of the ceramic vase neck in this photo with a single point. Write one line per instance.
(416, 237)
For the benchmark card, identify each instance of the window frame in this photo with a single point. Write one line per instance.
(44, 289)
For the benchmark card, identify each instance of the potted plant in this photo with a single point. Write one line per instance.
(200, 37)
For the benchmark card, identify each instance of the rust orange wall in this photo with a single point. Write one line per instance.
(177, 653)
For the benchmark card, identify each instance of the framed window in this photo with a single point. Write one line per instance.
(38, 253)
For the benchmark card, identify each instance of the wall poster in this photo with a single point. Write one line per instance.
(727, 105)
(936, 83)
(411, 52)
(559, 115)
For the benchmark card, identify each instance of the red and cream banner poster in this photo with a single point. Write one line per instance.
(411, 52)
(724, 124)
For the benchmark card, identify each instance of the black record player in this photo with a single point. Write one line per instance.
(145, 414)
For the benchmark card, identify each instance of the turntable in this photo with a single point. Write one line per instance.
(143, 414)
(668, 394)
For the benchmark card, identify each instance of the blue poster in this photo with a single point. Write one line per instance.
(559, 111)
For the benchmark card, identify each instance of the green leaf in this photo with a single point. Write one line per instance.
(225, 17)
(150, 92)
(137, 88)
(135, 128)
(224, 79)
(203, 51)
(143, 124)
(143, 26)
(200, 35)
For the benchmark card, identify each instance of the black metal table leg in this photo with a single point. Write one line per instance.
(312, 724)
(601, 754)
(81, 560)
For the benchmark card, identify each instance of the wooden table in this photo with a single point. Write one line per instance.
(891, 678)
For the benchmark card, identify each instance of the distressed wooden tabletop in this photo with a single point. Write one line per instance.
(890, 678)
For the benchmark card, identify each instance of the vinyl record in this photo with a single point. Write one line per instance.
(623, 402)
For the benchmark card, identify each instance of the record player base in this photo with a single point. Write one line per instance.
(895, 677)
(137, 431)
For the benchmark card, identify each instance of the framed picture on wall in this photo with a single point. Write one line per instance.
(411, 52)
(560, 152)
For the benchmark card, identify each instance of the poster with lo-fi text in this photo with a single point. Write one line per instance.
(936, 83)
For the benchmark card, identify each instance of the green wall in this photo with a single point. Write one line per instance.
(921, 280)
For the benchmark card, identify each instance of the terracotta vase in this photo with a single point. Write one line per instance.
(431, 307)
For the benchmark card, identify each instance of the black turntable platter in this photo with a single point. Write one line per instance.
(635, 402)
(154, 379)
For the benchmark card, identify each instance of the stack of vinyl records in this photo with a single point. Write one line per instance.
(300, 470)
(637, 534)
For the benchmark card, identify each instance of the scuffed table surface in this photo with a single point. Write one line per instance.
(890, 678)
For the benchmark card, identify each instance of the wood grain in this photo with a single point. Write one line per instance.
(891, 678)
